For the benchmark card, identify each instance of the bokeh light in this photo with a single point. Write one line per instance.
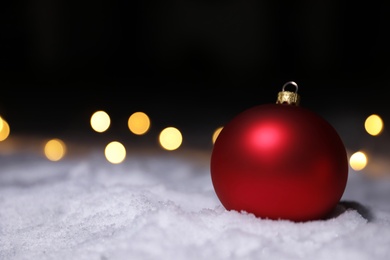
(55, 149)
(358, 161)
(216, 133)
(115, 152)
(170, 138)
(138, 123)
(373, 124)
(5, 130)
(1, 123)
(100, 121)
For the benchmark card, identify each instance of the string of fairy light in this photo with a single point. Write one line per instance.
(169, 139)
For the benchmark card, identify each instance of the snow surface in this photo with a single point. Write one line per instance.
(163, 206)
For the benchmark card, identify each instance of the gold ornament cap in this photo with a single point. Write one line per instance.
(288, 97)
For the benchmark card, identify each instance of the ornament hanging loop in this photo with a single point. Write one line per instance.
(288, 97)
(290, 83)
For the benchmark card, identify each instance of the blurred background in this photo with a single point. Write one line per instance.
(191, 64)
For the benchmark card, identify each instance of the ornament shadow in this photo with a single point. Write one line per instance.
(344, 206)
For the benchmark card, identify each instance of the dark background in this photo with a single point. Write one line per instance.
(193, 64)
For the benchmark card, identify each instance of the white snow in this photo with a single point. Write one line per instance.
(163, 206)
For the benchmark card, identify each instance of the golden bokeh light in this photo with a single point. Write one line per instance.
(138, 123)
(373, 125)
(216, 133)
(358, 161)
(5, 130)
(1, 123)
(115, 152)
(100, 121)
(55, 149)
(170, 138)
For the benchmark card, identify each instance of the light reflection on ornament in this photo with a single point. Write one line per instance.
(267, 136)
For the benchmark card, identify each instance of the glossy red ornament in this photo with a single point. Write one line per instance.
(279, 161)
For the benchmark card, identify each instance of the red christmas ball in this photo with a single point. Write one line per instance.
(279, 161)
